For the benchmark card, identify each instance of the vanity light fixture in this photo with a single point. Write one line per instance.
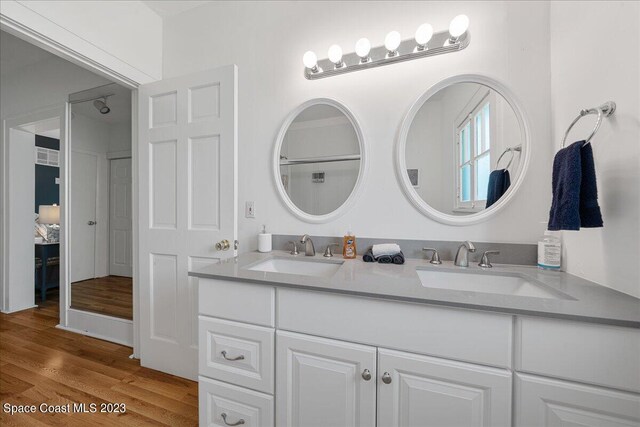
(425, 42)
(423, 35)
(392, 42)
(363, 47)
(310, 61)
(335, 56)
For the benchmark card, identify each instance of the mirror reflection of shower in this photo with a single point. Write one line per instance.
(100, 240)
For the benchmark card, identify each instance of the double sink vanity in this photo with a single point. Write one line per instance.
(295, 340)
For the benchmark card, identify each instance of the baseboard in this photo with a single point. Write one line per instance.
(20, 309)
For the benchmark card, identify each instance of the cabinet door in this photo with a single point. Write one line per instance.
(545, 402)
(321, 382)
(426, 391)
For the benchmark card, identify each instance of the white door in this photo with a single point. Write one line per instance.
(426, 391)
(84, 187)
(322, 382)
(187, 150)
(120, 256)
(545, 402)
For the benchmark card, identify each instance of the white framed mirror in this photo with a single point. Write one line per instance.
(463, 149)
(319, 160)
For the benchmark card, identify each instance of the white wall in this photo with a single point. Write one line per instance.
(126, 36)
(595, 58)
(509, 41)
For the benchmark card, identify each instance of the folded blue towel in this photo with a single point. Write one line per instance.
(385, 259)
(398, 258)
(575, 193)
(368, 256)
(499, 182)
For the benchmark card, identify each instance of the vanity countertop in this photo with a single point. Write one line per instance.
(589, 301)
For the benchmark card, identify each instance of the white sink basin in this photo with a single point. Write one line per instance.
(303, 267)
(492, 283)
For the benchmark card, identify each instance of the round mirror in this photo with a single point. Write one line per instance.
(463, 150)
(319, 160)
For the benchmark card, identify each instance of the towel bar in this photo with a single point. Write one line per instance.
(604, 110)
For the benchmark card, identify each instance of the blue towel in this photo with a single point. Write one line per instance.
(575, 194)
(398, 258)
(499, 182)
(368, 256)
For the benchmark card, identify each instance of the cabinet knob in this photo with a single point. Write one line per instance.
(237, 423)
(366, 375)
(386, 378)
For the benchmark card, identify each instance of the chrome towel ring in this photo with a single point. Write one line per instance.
(511, 150)
(604, 110)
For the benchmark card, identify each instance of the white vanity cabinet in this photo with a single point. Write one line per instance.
(277, 356)
(426, 391)
(322, 382)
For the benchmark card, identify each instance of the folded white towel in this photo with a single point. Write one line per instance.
(385, 249)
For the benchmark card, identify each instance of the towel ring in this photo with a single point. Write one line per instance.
(508, 150)
(605, 110)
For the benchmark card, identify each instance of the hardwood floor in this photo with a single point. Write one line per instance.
(110, 295)
(42, 364)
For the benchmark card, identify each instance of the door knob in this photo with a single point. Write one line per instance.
(386, 378)
(223, 245)
(366, 375)
(91, 222)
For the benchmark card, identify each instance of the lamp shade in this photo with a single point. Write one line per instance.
(49, 214)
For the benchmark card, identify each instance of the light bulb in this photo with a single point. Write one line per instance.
(335, 55)
(423, 35)
(363, 47)
(392, 42)
(310, 60)
(458, 26)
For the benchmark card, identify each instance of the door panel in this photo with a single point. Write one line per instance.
(84, 187)
(320, 382)
(120, 220)
(427, 391)
(187, 161)
(546, 402)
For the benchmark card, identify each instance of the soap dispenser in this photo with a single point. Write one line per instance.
(549, 250)
(264, 240)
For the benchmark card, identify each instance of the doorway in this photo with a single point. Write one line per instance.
(100, 221)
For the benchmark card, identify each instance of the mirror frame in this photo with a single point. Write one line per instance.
(401, 164)
(364, 165)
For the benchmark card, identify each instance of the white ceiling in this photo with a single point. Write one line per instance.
(165, 8)
(16, 54)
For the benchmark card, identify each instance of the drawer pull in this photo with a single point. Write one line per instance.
(224, 354)
(386, 378)
(366, 375)
(237, 423)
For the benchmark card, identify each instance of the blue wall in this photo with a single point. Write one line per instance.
(47, 191)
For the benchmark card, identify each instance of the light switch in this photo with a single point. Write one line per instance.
(249, 210)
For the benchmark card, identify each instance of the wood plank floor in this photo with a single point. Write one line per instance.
(110, 295)
(42, 364)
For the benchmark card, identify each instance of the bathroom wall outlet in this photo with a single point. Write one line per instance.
(249, 210)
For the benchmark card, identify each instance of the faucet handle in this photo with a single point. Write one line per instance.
(294, 251)
(327, 252)
(484, 262)
(435, 258)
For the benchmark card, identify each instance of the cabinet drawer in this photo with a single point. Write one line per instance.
(468, 335)
(597, 354)
(231, 300)
(219, 401)
(545, 402)
(237, 353)
(432, 392)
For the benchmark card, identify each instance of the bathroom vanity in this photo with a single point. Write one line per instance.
(308, 341)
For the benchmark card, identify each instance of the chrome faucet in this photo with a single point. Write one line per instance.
(309, 249)
(462, 256)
